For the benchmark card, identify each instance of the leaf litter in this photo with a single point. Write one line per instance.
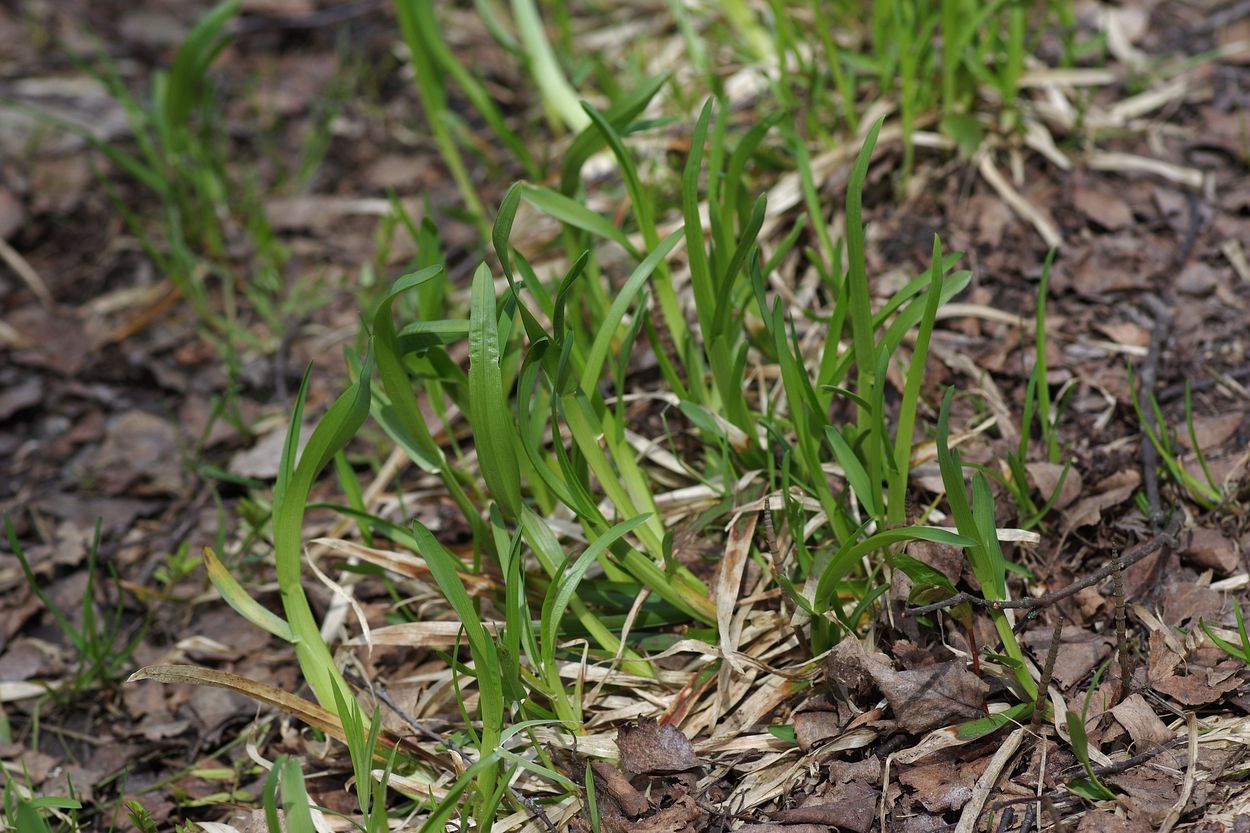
(685, 753)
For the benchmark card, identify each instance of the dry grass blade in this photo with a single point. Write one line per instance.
(1027, 210)
(972, 810)
(304, 710)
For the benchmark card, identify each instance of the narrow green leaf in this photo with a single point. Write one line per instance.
(608, 326)
(489, 413)
(242, 602)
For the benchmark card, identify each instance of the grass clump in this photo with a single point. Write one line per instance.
(544, 398)
(570, 511)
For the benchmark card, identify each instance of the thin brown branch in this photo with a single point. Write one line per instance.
(1048, 671)
(1121, 630)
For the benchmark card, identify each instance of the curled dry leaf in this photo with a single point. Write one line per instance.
(1140, 721)
(846, 667)
(653, 748)
(309, 712)
(612, 781)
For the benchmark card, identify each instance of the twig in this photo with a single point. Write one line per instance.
(1026, 824)
(1123, 562)
(1043, 686)
(1223, 19)
(972, 810)
(1171, 392)
(1121, 630)
(1191, 230)
(27, 273)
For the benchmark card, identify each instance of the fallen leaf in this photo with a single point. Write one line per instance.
(612, 781)
(1212, 431)
(1126, 333)
(940, 786)
(1105, 209)
(928, 698)
(683, 816)
(12, 214)
(1202, 685)
(1080, 651)
(1197, 278)
(652, 748)
(1209, 548)
(1106, 821)
(1045, 477)
(850, 806)
(20, 396)
(1109, 492)
(264, 458)
(1140, 721)
(812, 727)
(1189, 602)
(847, 667)
(139, 456)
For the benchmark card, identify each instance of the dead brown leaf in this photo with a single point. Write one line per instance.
(1104, 208)
(1212, 431)
(139, 456)
(1106, 821)
(932, 697)
(612, 781)
(812, 727)
(847, 667)
(940, 786)
(652, 748)
(1140, 721)
(1080, 651)
(1108, 492)
(1210, 548)
(1045, 477)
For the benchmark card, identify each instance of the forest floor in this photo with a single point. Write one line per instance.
(124, 415)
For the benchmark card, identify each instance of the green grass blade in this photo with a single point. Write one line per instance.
(607, 327)
(295, 481)
(242, 602)
(556, 91)
(489, 413)
(577, 215)
(904, 430)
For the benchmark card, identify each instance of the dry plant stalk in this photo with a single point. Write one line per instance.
(1048, 670)
(1121, 630)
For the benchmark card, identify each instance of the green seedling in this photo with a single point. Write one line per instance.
(1203, 490)
(1241, 652)
(976, 520)
(1037, 408)
(102, 649)
(285, 800)
(23, 813)
(1090, 786)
